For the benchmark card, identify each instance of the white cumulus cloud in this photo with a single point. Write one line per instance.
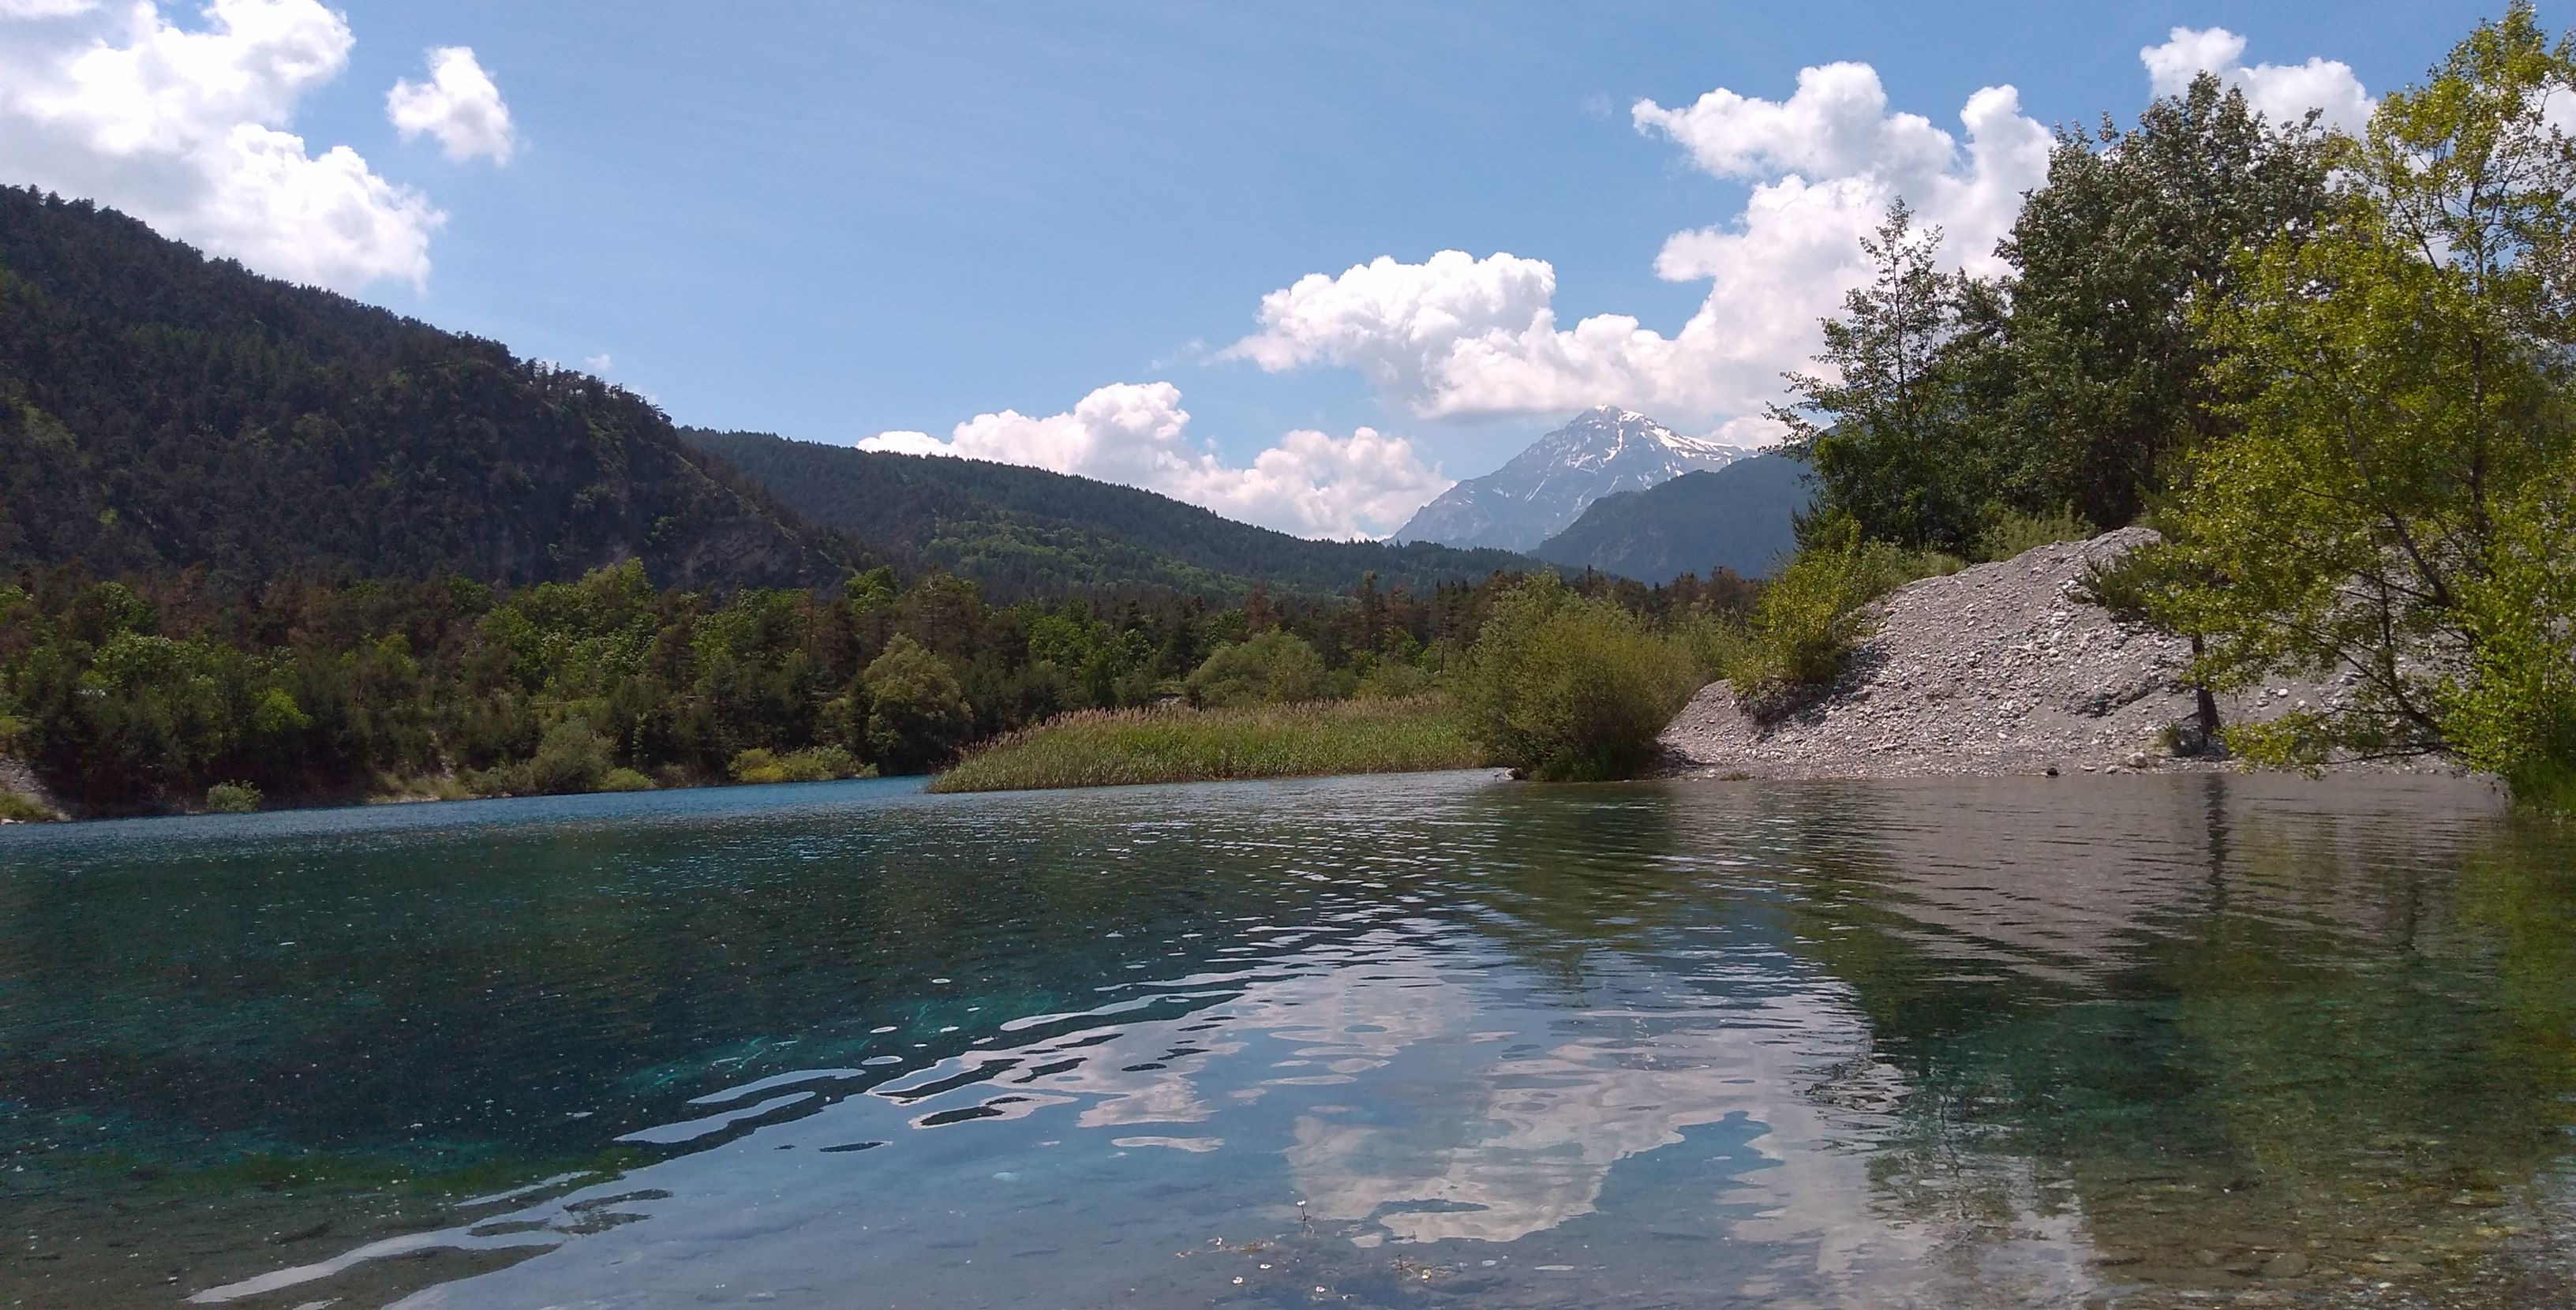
(1311, 483)
(186, 128)
(1457, 336)
(459, 105)
(2283, 92)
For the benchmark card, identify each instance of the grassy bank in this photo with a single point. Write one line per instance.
(1108, 748)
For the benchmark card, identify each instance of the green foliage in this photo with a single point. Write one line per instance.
(570, 758)
(918, 717)
(1273, 668)
(23, 809)
(1389, 677)
(2515, 713)
(2009, 532)
(232, 798)
(2102, 379)
(2076, 381)
(159, 410)
(815, 764)
(1887, 429)
(1102, 748)
(2394, 509)
(1563, 687)
(139, 695)
(1809, 620)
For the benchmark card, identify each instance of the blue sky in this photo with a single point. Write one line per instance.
(836, 220)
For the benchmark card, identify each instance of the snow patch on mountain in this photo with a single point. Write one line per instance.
(1545, 488)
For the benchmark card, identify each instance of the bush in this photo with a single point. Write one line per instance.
(755, 766)
(22, 809)
(1715, 644)
(2009, 532)
(1275, 668)
(1561, 687)
(1814, 614)
(1389, 678)
(570, 758)
(232, 798)
(819, 764)
(625, 780)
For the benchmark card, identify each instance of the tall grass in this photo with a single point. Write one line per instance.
(1110, 748)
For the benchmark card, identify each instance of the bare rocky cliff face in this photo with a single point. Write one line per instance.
(1997, 669)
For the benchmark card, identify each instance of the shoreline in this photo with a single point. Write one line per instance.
(2002, 669)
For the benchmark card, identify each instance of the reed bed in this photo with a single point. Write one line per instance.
(1114, 748)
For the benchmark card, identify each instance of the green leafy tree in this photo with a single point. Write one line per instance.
(2105, 359)
(917, 716)
(2394, 510)
(1883, 427)
(1275, 667)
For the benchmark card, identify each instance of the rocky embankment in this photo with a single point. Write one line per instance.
(19, 780)
(1998, 669)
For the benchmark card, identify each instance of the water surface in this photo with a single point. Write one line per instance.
(1390, 1042)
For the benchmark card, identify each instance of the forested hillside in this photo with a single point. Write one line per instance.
(161, 411)
(1022, 531)
(1740, 518)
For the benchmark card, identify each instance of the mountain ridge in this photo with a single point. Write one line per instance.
(161, 411)
(1542, 490)
(1740, 517)
(1018, 530)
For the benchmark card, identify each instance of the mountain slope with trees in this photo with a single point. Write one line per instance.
(1021, 531)
(160, 411)
(1741, 518)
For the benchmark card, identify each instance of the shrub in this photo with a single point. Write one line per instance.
(232, 798)
(1561, 687)
(570, 758)
(1715, 644)
(1389, 678)
(625, 780)
(818, 764)
(2009, 532)
(1275, 667)
(1814, 614)
(757, 765)
(22, 809)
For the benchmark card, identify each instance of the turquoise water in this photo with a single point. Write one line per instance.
(1425, 1041)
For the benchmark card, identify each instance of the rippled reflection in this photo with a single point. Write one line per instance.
(1394, 1042)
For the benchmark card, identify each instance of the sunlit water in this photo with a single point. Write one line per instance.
(1438, 1041)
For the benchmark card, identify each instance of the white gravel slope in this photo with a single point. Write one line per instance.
(1998, 669)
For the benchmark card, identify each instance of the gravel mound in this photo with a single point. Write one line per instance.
(1998, 669)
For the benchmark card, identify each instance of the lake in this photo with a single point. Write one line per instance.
(1427, 1041)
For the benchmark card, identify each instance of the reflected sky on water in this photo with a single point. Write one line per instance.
(1420, 1041)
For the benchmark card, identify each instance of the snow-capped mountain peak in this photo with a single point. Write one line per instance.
(1600, 452)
